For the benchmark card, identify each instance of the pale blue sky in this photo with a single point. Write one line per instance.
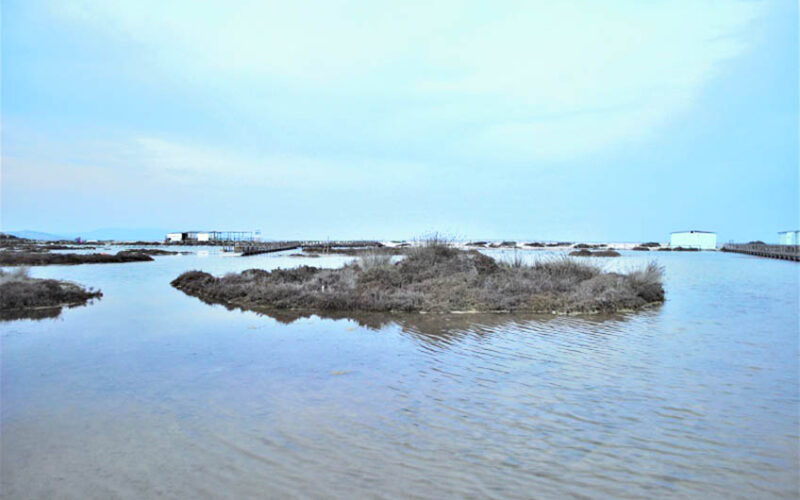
(615, 120)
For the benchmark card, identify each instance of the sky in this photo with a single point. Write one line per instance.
(582, 121)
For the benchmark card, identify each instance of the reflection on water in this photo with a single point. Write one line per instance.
(38, 313)
(153, 393)
(436, 328)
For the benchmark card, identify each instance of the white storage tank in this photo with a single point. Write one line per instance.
(702, 240)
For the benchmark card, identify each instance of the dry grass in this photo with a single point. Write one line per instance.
(18, 274)
(21, 295)
(516, 261)
(434, 277)
(374, 260)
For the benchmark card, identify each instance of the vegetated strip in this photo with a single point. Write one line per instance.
(24, 297)
(8, 258)
(433, 278)
(599, 253)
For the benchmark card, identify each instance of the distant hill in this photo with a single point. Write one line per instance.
(36, 235)
(123, 234)
(109, 233)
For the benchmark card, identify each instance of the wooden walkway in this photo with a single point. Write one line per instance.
(257, 248)
(785, 252)
(248, 248)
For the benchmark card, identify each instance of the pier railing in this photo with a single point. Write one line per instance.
(785, 252)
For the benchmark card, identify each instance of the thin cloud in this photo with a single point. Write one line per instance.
(506, 66)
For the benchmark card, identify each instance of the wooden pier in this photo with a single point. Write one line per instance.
(784, 252)
(257, 248)
(248, 248)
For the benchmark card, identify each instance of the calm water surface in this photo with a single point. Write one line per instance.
(149, 392)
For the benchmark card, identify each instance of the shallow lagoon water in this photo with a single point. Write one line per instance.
(151, 392)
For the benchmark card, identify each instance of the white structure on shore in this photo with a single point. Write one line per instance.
(702, 240)
(789, 237)
(205, 236)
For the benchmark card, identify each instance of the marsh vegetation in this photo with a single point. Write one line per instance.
(598, 253)
(24, 297)
(433, 277)
(29, 258)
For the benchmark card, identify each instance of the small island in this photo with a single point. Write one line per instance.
(24, 297)
(598, 253)
(8, 258)
(433, 278)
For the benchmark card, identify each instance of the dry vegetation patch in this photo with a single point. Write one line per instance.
(433, 277)
(599, 253)
(25, 258)
(22, 296)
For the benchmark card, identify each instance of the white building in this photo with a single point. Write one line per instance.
(206, 236)
(703, 240)
(789, 237)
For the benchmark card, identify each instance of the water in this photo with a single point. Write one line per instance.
(149, 392)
